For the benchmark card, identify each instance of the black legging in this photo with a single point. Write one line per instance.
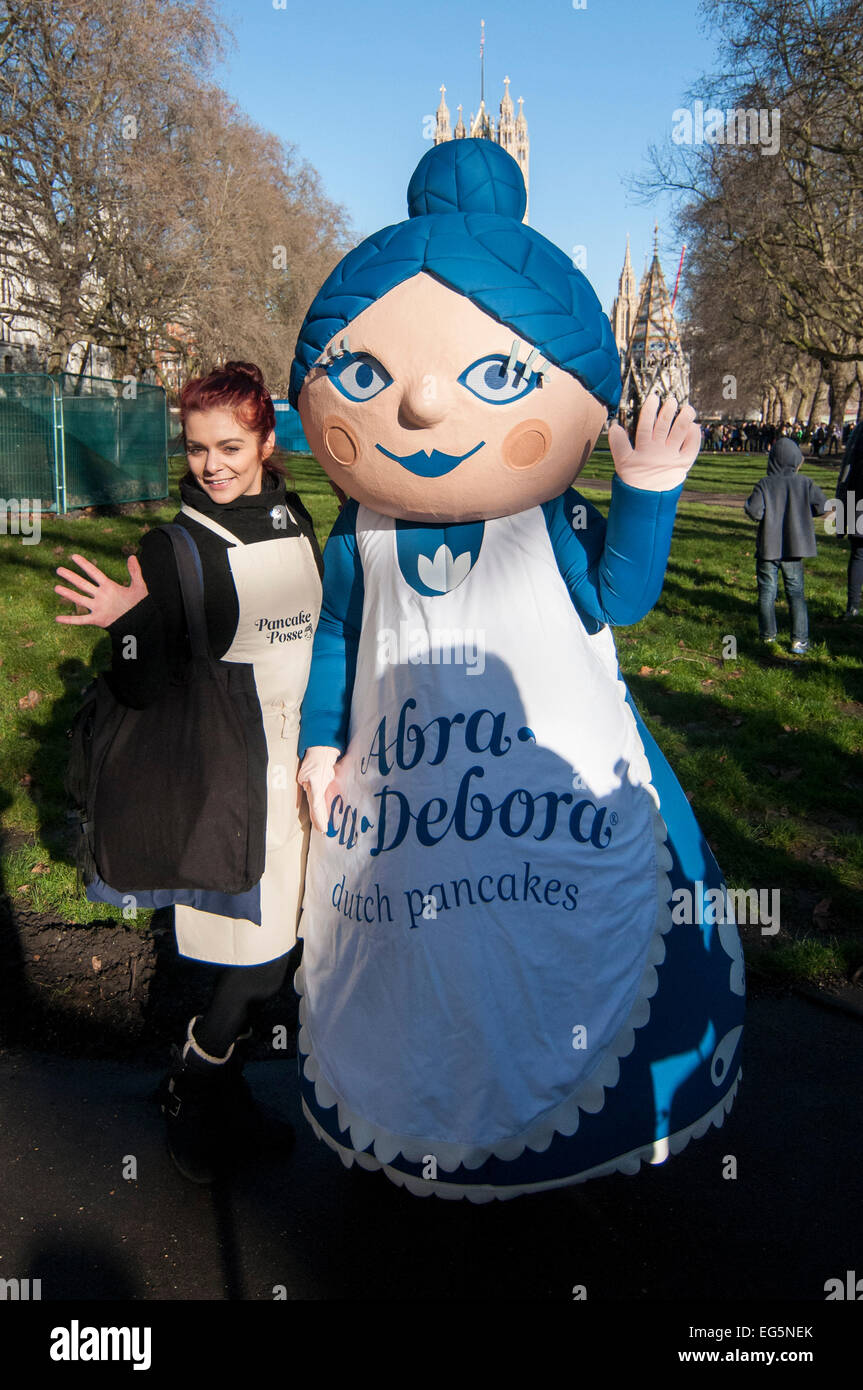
(238, 987)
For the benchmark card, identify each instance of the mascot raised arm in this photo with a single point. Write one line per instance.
(518, 971)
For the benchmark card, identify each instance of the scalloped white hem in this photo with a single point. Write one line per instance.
(562, 1118)
(628, 1163)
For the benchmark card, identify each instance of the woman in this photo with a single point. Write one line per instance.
(261, 570)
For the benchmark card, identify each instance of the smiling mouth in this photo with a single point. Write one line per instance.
(430, 463)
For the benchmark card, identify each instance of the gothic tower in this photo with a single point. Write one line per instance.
(625, 305)
(442, 127)
(653, 356)
(511, 130)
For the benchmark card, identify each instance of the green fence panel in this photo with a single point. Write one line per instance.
(116, 441)
(143, 444)
(28, 437)
(90, 431)
(82, 441)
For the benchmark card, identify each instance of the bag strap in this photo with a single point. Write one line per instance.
(191, 586)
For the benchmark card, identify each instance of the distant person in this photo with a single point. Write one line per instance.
(833, 446)
(849, 490)
(784, 502)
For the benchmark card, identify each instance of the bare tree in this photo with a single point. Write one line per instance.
(79, 82)
(141, 211)
(255, 238)
(789, 212)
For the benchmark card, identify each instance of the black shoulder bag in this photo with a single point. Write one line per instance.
(174, 795)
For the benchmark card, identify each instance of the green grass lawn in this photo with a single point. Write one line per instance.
(768, 748)
(726, 473)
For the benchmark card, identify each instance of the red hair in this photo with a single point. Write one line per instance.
(238, 387)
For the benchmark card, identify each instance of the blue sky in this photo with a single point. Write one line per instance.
(350, 84)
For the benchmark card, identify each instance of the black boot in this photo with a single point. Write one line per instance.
(254, 1127)
(195, 1103)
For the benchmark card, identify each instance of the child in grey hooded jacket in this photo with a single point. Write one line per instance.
(784, 502)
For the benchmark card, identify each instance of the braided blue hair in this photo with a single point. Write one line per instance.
(466, 200)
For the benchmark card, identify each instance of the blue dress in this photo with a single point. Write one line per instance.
(519, 966)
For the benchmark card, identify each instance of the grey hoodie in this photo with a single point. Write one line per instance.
(784, 502)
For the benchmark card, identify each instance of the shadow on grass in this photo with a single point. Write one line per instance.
(816, 779)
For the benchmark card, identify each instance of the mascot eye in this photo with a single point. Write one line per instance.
(359, 376)
(489, 379)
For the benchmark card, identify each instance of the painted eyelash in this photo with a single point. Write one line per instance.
(330, 355)
(524, 367)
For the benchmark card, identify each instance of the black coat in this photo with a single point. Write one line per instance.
(158, 622)
(851, 481)
(784, 503)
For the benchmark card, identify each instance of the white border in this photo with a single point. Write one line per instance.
(628, 1163)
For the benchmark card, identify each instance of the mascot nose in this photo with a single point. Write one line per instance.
(424, 402)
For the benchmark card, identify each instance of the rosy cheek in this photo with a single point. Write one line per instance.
(340, 441)
(527, 444)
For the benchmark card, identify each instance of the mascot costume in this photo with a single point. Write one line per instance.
(515, 975)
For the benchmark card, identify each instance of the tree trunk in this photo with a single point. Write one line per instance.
(785, 399)
(84, 360)
(840, 378)
(57, 353)
(810, 421)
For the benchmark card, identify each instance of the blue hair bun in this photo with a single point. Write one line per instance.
(467, 176)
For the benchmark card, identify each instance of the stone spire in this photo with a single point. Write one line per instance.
(482, 124)
(522, 150)
(625, 305)
(460, 132)
(442, 128)
(506, 124)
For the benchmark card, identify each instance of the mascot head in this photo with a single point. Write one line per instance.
(455, 366)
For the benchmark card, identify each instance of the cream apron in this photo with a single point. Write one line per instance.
(480, 920)
(279, 596)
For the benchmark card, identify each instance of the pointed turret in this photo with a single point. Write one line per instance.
(442, 127)
(460, 132)
(625, 305)
(522, 150)
(482, 125)
(506, 124)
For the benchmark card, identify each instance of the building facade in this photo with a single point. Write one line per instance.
(647, 337)
(510, 133)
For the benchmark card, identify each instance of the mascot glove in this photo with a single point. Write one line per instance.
(316, 776)
(666, 446)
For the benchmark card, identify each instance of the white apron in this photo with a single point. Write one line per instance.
(482, 922)
(279, 595)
